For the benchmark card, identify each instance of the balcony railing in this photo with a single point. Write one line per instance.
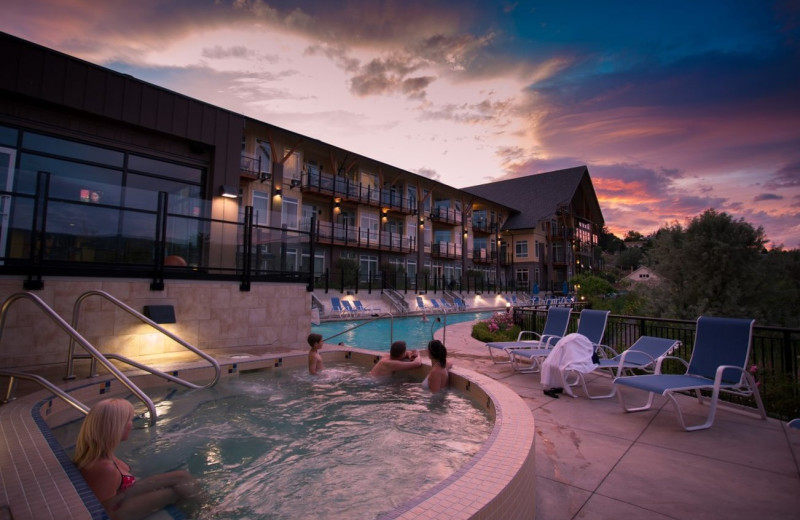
(484, 225)
(250, 164)
(347, 189)
(446, 250)
(483, 256)
(340, 234)
(446, 215)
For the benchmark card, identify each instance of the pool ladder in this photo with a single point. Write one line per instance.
(95, 355)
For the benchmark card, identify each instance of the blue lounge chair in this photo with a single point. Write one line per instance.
(436, 306)
(421, 305)
(349, 308)
(643, 355)
(361, 309)
(718, 364)
(447, 305)
(460, 304)
(336, 306)
(555, 326)
(591, 323)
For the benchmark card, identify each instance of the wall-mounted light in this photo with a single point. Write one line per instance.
(277, 191)
(160, 313)
(337, 204)
(466, 234)
(264, 176)
(295, 183)
(229, 192)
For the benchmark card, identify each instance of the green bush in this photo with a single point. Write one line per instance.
(500, 327)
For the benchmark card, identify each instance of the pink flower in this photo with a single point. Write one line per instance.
(753, 369)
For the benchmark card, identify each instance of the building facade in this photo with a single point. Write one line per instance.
(106, 177)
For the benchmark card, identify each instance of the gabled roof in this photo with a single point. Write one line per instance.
(537, 197)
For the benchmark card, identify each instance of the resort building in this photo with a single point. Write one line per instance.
(111, 183)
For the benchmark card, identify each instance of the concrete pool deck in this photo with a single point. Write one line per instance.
(594, 461)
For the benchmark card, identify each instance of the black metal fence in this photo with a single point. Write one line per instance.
(142, 234)
(775, 352)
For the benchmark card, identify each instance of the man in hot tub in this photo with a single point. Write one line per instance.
(398, 359)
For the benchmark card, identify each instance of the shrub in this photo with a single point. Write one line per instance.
(500, 327)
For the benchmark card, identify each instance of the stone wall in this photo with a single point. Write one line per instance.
(209, 315)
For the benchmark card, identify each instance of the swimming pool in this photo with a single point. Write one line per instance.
(285, 445)
(376, 334)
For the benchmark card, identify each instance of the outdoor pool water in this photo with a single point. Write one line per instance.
(376, 334)
(286, 445)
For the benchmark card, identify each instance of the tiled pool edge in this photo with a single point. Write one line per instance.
(497, 482)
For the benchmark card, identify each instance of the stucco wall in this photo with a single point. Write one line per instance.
(208, 314)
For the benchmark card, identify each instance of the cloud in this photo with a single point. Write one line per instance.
(767, 196)
(218, 52)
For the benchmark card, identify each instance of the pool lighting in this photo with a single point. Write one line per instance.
(160, 313)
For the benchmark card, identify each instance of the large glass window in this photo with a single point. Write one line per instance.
(264, 154)
(521, 247)
(289, 210)
(71, 149)
(261, 207)
(102, 202)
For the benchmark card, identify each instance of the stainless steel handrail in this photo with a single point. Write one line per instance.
(13, 375)
(367, 322)
(76, 337)
(144, 319)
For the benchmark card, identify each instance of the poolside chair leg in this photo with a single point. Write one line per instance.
(647, 406)
(496, 362)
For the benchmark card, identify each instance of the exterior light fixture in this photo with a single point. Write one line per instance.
(160, 313)
(277, 191)
(229, 192)
(295, 183)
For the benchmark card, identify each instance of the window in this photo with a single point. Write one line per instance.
(264, 154)
(289, 210)
(369, 227)
(412, 197)
(368, 267)
(521, 248)
(261, 208)
(292, 168)
(522, 276)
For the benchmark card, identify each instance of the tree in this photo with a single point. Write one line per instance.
(591, 287)
(630, 259)
(711, 267)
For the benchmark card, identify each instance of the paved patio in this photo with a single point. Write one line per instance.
(594, 461)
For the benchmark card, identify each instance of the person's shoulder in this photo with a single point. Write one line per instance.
(100, 468)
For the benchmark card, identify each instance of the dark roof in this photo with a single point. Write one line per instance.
(537, 197)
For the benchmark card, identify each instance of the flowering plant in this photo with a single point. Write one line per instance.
(499, 327)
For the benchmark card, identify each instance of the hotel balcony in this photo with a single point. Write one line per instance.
(446, 216)
(348, 190)
(446, 250)
(484, 226)
(482, 256)
(350, 236)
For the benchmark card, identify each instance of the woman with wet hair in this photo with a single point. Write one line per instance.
(439, 376)
(107, 424)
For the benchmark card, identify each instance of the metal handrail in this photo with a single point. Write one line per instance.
(13, 375)
(76, 337)
(144, 319)
(367, 322)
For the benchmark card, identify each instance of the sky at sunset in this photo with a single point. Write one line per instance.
(674, 107)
